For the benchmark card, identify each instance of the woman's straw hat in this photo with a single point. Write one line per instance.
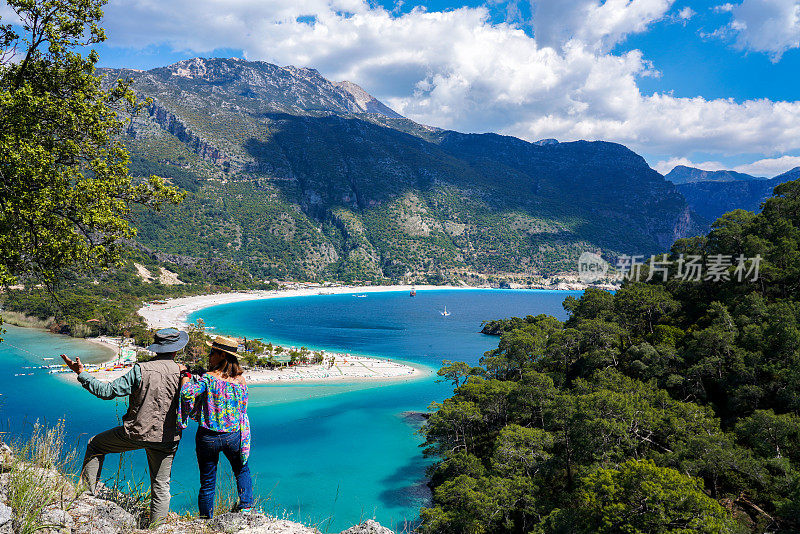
(228, 345)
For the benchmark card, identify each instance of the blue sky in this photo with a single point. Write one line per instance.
(708, 83)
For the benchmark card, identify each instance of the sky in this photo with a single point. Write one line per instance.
(702, 83)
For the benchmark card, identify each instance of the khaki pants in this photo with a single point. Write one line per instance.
(159, 459)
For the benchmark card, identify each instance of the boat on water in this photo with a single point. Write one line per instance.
(413, 292)
(360, 296)
(445, 313)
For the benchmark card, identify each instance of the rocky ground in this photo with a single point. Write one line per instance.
(39, 499)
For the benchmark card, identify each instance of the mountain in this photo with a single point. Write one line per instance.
(291, 175)
(788, 176)
(711, 199)
(686, 175)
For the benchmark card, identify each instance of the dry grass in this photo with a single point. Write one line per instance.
(37, 478)
(42, 476)
(20, 319)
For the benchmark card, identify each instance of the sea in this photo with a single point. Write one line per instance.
(325, 454)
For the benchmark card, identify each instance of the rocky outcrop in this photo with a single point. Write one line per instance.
(367, 102)
(367, 527)
(53, 504)
(174, 125)
(50, 503)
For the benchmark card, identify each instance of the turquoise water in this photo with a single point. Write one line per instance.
(329, 454)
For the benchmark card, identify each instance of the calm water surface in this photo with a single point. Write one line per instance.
(329, 454)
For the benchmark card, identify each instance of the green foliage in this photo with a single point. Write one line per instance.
(101, 303)
(65, 189)
(641, 498)
(664, 407)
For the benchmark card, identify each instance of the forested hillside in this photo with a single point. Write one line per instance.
(712, 194)
(665, 407)
(291, 175)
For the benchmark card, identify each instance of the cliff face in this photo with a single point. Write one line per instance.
(172, 124)
(294, 175)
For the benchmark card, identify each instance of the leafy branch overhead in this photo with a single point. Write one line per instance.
(65, 191)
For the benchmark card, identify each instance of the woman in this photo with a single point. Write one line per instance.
(217, 400)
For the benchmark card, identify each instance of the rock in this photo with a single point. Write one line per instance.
(57, 520)
(280, 527)
(98, 516)
(5, 514)
(6, 457)
(255, 523)
(235, 522)
(368, 527)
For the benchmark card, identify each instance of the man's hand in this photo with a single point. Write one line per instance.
(76, 366)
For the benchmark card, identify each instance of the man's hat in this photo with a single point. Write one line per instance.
(225, 344)
(169, 340)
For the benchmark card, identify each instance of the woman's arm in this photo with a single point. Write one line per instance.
(191, 388)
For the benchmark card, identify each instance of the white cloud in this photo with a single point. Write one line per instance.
(667, 165)
(456, 69)
(686, 13)
(770, 26)
(770, 167)
(767, 167)
(598, 25)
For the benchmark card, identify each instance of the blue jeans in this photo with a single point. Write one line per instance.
(209, 444)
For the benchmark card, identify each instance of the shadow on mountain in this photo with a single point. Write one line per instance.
(600, 193)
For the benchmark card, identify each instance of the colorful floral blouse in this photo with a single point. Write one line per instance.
(217, 405)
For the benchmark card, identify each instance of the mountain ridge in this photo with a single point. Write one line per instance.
(293, 175)
(711, 199)
(682, 174)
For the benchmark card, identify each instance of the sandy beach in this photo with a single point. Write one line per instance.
(175, 311)
(344, 368)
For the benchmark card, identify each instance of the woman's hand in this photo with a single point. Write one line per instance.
(185, 375)
(76, 366)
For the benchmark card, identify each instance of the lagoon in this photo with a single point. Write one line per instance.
(324, 454)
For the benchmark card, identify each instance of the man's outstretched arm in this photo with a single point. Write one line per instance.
(121, 387)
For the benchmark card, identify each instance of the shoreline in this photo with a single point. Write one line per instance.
(337, 367)
(348, 368)
(174, 312)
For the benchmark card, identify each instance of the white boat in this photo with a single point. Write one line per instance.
(445, 313)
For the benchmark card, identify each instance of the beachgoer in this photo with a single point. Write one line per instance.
(217, 400)
(151, 422)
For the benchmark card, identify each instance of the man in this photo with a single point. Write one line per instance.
(151, 421)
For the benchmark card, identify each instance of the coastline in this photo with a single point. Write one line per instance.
(173, 312)
(348, 368)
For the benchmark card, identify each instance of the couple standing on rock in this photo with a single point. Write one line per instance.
(163, 396)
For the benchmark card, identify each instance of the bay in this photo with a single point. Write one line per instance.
(330, 454)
